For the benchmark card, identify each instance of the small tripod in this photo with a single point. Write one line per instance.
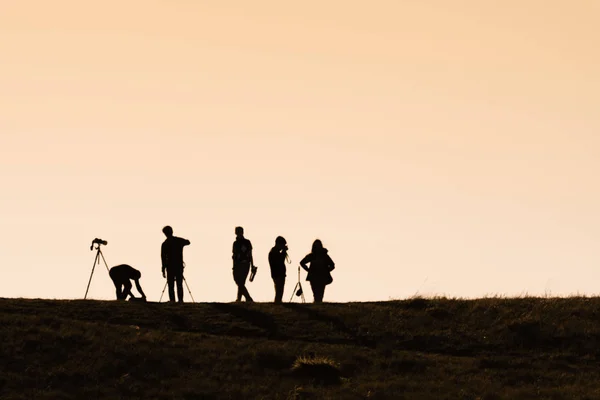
(98, 243)
(186, 285)
(298, 289)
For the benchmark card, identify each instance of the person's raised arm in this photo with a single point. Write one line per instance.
(304, 261)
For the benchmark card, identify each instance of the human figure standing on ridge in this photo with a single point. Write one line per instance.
(242, 262)
(319, 273)
(122, 275)
(171, 253)
(277, 257)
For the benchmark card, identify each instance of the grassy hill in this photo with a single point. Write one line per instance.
(525, 348)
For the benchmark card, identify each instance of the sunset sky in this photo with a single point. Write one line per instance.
(436, 147)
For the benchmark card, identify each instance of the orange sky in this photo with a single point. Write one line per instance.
(444, 148)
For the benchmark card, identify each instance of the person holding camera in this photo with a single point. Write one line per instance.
(171, 253)
(277, 257)
(319, 273)
(122, 275)
(242, 262)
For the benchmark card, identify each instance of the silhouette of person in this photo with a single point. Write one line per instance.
(277, 257)
(242, 262)
(319, 273)
(122, 275)
(171, 253)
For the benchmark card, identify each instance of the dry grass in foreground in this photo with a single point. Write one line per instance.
(526, 348)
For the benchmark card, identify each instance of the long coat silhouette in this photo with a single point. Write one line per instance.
(319, 272)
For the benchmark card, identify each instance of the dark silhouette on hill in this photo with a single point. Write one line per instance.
(277, 257)
(242, 262)
(172, 262)
(122, 275)
(319, 272)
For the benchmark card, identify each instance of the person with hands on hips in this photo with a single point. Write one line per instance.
(319, 272)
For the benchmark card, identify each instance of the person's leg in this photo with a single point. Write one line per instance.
(171, 283)
(279, 285)
(236, 279)
(119, 291)
(126, 289)
(180, 286)
(318, 289)
(240, 274)
(282, 289)
(117, 287)
(245, 292)
(313, 287)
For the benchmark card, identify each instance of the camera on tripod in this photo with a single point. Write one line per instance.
(98, 242)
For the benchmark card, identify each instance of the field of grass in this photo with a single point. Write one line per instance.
(526, 348)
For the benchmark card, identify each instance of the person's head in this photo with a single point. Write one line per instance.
(280, 242)
(317, 246)
(137, 275)
(168, 231)
(239, 231)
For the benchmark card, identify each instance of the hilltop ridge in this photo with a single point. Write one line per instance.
(418, 348)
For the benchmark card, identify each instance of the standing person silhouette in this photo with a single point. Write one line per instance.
(122, 275)
(171, 253)
(319, 273)
(242, 262)
(277, 257)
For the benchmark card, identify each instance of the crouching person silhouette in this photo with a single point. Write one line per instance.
(122, 275)
(319, 273)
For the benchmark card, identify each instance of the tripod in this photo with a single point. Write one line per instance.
(298, 289)
(186, 285)
(99, 254)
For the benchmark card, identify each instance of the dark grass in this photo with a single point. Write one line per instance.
(524, 348)
(318, 370)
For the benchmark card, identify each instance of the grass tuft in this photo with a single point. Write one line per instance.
(320, 370)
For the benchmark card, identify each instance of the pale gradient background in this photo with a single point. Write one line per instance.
(436, 147)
